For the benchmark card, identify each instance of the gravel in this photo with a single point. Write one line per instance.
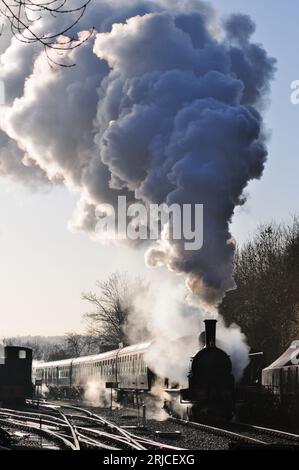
(21, 440)
(190, 438)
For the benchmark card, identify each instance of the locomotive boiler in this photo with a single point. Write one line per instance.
(211, 383)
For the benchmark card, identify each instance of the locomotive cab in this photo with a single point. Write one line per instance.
(15, 375)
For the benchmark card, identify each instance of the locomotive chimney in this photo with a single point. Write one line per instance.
(210, 333)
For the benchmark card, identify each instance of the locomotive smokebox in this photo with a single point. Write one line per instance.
(210, 325)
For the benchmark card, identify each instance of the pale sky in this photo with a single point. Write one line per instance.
(44, 267)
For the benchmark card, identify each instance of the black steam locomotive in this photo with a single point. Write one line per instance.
(15, 375)
(211, 383)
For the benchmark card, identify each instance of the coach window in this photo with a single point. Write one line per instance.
(22, 354)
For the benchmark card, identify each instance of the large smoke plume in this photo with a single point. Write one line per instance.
(164, 105)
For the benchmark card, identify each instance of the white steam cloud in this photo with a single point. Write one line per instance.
(174, 321)
(163, 106)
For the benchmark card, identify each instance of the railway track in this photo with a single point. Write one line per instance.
(271, 436)
(247, 434)
(76, 428)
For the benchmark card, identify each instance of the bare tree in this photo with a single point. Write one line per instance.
(112, 308)
(265, 303)
(77, 345)
(56, 353)
(24, 18)
(43, 348)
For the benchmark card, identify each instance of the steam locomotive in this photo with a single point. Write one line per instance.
(211, 384)
(15, 375)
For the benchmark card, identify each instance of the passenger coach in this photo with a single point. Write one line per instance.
(123, 368)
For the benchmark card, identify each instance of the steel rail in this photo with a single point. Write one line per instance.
(123, 440)
(221, 431)
(72, 429)
(160, 445)
(133, 439)
(125, 437)
(94, 443)
(121, 431)
(35, 419)
(35, 428)
(29, 414)
(271, 432)
(39, 418)
(32, 420)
